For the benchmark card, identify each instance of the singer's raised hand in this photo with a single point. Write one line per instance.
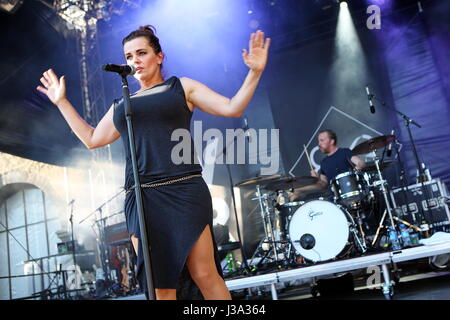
(55, 89)
(256, 57)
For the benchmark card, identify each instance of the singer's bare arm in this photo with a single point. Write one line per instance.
(207, 100)
(103, 134)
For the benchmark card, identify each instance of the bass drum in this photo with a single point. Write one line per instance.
(319, 230)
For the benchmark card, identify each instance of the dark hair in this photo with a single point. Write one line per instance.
(331, 135)
(148, 32)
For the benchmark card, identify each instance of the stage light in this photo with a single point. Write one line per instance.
(10, 6)
(349, 68)
(343, 4)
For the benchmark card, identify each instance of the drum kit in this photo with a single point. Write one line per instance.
(314, 227)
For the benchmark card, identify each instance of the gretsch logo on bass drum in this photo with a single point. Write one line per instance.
(313, 214)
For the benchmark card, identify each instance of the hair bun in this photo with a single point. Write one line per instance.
(148, 28)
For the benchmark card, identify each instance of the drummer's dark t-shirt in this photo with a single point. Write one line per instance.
(337, 163)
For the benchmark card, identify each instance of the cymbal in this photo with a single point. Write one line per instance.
(370, 166)
(286, 183)
(373, 144)
(258, 180)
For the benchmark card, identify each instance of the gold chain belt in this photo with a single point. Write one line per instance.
(158, 184)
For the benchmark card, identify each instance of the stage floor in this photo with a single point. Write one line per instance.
(425, 286)
(384, 275)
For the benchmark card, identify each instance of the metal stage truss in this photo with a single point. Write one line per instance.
(385, 260)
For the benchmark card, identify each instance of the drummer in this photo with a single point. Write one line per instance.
(337, 160)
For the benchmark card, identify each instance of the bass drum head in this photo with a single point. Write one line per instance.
(319, 230)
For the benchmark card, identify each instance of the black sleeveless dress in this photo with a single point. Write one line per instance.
(176, 214)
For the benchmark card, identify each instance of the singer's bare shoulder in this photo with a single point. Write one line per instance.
(187, 85)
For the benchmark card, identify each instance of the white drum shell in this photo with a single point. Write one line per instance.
(327, 223)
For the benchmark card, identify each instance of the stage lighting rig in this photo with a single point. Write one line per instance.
(82, 14)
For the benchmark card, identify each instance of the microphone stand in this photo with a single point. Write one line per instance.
(138, 190)
(73, 240)
(403, 182)
(407, 122)
(101, 206)
(104, 249)
(244, 259)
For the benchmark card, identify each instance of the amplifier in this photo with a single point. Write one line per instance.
(411, 204)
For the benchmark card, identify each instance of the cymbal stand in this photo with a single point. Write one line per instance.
(380, 226)
(384, 189)
(265, 214)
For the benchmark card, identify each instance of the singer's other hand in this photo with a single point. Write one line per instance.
(314, 173)
(258, 48)
(54, 88)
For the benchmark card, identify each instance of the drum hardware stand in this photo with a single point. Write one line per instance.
(353, 229)
(263, 258)
(396, 219)
(292, 258)
(379, 228)
(265, 214)
(363, 235)
(268, 228)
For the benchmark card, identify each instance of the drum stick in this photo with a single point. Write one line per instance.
(307, 157)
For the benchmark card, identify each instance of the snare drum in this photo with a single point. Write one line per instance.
(350, 189)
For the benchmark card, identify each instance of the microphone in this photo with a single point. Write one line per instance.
(389, 150)
(369, 96)
(71, 202)
(122, 69)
